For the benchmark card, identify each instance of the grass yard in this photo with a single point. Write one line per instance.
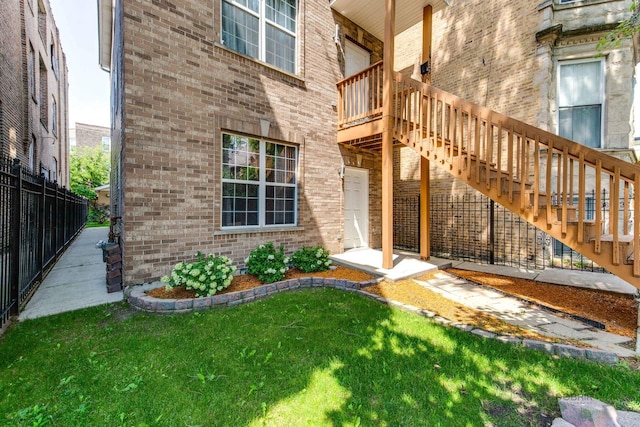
(307, 358)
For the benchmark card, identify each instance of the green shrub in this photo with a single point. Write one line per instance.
(267, 264)
(206, 276)
(313, 259)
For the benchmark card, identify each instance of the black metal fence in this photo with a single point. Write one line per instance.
(472, 227)
(38, 219)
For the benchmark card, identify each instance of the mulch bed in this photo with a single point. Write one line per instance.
(243, 282)
(618, 312)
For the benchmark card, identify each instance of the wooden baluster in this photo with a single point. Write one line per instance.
(510, 163)
(536, 179)
(614, 215)
(429, 127)
(625, 207)
(489, 139)
(499, 160)
(548, 187)
(597, 248)
(477, 149)
(636, 225)
(452, 131)
(565, 198)
(523, 169)
(460, 122)
(468, 148)
(582, 196)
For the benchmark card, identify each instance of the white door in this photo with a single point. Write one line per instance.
(356, 60)
(356, 208)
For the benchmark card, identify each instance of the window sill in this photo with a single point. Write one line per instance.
(256, 230)
(264, 64)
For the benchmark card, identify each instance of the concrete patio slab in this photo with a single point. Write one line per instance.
(370, 260)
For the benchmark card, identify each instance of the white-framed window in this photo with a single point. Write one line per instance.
(262, 29)
(581, 101)
(54, 115)
(259, 182)
(54, 174)
(105, 143)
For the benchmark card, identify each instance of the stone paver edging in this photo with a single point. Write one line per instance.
(138, 298)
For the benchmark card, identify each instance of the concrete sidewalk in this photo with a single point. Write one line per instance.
(78, 279)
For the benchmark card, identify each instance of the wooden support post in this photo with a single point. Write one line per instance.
(387, 135)
(425, 224)
(425, 193)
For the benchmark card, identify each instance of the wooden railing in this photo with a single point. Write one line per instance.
(360, 96)
(540, 176)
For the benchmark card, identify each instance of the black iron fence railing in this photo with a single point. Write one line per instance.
(472, 227)
(38, 219)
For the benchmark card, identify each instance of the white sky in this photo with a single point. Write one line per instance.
(88, 83)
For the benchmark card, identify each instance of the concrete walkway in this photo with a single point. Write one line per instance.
(78, 279)
(509, 309)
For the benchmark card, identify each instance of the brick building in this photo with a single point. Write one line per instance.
(197, 102)
(90, 136)
(33, 89)
(224, 114)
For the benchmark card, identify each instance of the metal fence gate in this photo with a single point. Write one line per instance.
(472, 227)
(38, 219)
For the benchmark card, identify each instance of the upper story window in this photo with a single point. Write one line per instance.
(106, 143)
(42, 21)
(43, 95)
(54, 57)
(54, 116)
(262, 29)
(32, 72)
(581, 101)
(259, 182)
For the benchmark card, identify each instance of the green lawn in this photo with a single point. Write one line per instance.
(313, 357)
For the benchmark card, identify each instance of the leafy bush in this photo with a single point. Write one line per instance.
(313, 259)
(267, 264)
(98, 213)
(206, 276)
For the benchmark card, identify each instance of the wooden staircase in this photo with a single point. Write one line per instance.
(541, 177)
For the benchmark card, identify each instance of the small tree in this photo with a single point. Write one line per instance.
(88, 168)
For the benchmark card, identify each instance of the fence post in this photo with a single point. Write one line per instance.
(492, 233)
(43, 225)
(16, 216)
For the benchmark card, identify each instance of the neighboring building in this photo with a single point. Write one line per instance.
(33, 90)
(225, 118)
(90, 136)
(104, 195)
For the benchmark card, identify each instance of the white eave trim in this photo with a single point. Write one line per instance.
(105, 33)
(369, 14)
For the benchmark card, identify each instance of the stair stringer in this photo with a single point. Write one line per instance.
(455, 166)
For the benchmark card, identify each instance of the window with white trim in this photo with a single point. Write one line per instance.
(259, 182)
(54, 116)
(581, 101)
(262, 29)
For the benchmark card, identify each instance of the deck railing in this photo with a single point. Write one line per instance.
(547, 175)
(360, 96)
